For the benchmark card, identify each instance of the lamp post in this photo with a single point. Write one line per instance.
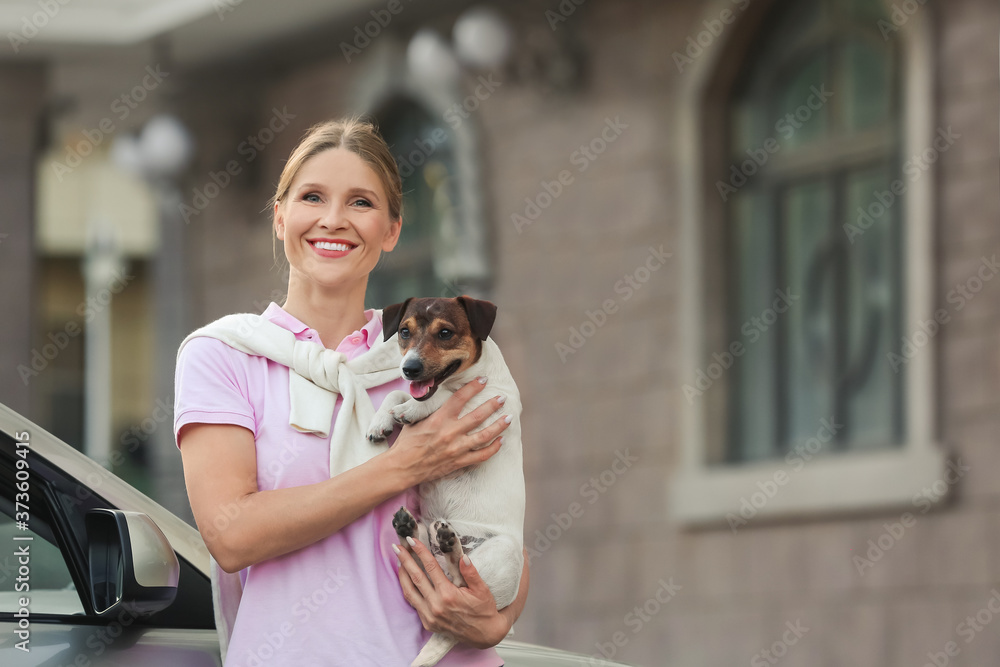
(159, 154)
(101, 264)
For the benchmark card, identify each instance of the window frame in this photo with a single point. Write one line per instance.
(706, 492)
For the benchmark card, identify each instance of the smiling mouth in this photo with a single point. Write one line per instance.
(424, 389)
(329, 249)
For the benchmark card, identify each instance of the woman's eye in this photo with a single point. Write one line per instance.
(404, 333)
(363, 202)
(445, 333)
(312, 197)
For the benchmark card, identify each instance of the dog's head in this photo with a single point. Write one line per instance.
(437, 337)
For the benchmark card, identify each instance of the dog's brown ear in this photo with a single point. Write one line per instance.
(391, 317)
(482, 314)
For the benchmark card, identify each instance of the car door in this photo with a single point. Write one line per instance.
(47, 615)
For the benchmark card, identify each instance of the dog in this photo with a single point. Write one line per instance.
(478, 510)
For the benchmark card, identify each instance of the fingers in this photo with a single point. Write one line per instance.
(469, 572)
(413, 572)
(431, 566)
(457, 401)
(479, 454)
(489, 434)
(472, 420)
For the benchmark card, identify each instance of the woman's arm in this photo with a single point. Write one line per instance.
(469, 614)
(242, 526)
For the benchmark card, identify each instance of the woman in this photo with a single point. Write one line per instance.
(314, 550)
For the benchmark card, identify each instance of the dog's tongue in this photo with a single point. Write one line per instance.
(419, 389)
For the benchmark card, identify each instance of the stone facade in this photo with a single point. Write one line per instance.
(601, 423)
(620, 391)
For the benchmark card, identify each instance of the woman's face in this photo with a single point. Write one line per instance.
(335, 219)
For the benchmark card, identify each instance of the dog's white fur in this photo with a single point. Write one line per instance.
(482, 501)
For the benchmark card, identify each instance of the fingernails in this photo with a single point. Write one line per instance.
(409, 540)
(500, 440)
(396, 549)
(482, 379)
(501, 399)
(466, 559)
(508, 418)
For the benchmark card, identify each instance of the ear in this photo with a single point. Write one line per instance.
(391, 317)
(482, 314)
(279, 222)
(392, 236)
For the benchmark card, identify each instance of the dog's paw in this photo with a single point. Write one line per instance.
(408, 413)
(381, 426)
(446, 537)
(404, 524)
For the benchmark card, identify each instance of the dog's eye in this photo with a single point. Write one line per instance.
(445, 334)
(404, 333)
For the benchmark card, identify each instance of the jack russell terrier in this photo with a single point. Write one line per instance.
(478, 510)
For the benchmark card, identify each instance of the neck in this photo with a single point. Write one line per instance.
(334, 312)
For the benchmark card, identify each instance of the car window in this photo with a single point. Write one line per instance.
(67, 502)
(33, 565)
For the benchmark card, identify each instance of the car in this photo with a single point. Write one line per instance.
(94, 573)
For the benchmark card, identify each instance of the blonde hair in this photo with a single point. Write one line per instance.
(357, 135)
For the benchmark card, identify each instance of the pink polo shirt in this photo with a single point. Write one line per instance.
(337, 602)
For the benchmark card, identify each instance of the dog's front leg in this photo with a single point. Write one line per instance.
(383, 422)
(413, 410)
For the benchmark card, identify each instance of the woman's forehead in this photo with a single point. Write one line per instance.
(338, 167)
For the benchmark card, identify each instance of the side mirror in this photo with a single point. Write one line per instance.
(132, 565)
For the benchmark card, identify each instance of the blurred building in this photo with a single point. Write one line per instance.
(743, 254)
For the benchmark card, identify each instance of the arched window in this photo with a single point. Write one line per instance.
(807, 261)
(814, 233)
(423, 150)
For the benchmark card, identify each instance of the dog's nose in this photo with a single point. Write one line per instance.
(412, 368)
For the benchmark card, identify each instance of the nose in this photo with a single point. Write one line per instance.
(412, 368)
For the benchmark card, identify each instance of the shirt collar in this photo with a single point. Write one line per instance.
(282, 318)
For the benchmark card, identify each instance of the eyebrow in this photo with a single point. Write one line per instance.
(354, 190)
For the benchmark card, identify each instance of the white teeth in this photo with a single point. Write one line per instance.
(331, 246)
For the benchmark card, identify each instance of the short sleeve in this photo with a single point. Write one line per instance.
(211, 386)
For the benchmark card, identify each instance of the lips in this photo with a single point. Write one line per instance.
(332, 247)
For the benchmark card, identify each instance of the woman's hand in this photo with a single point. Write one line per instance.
(468, 614)
(442, 443)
